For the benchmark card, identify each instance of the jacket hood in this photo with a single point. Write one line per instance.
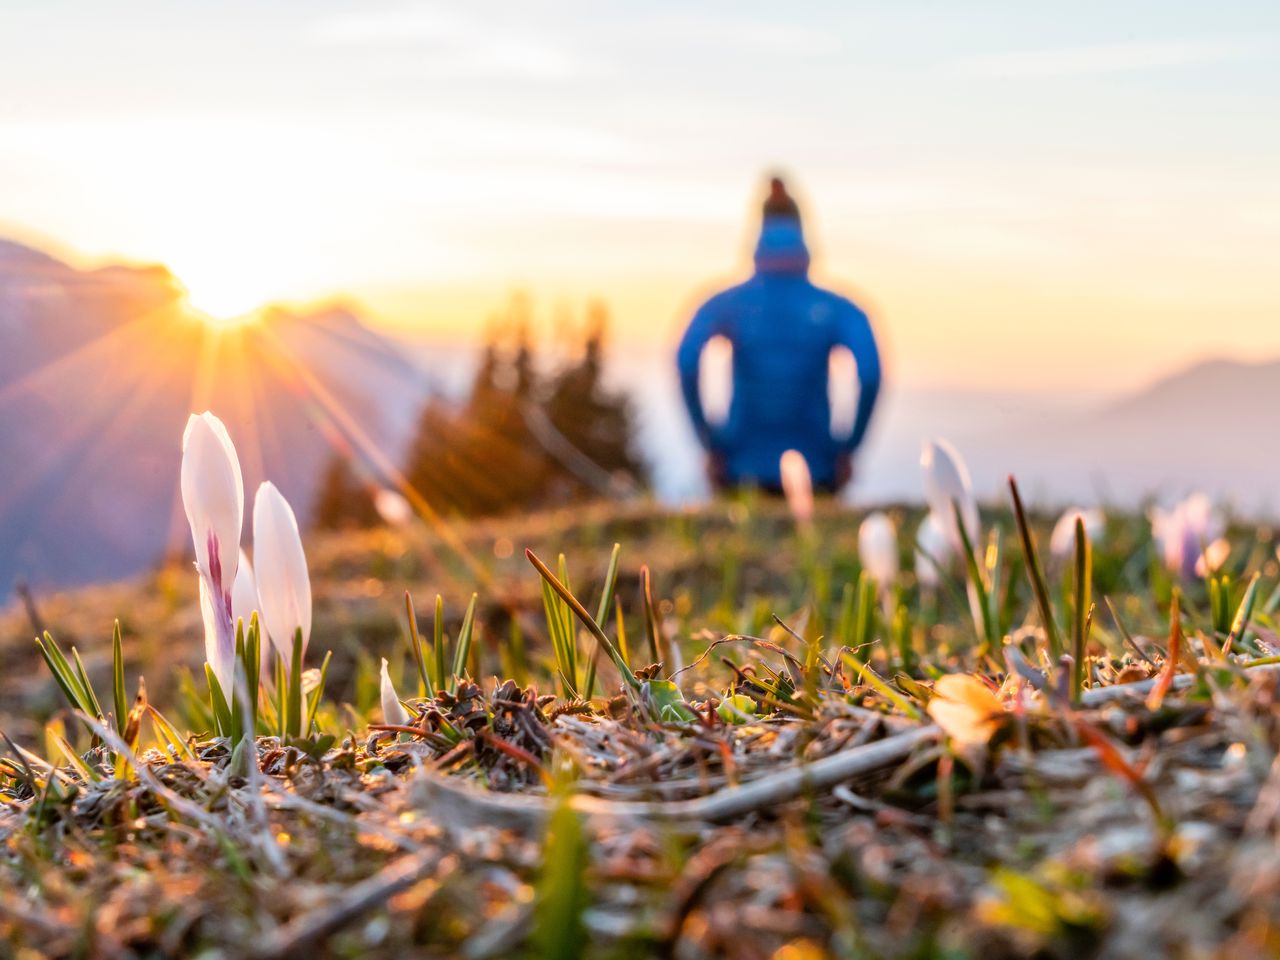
(781, 248)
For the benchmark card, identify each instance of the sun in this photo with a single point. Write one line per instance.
(223, 301)
(219, 322)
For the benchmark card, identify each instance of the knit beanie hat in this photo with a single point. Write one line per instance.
(779, 203)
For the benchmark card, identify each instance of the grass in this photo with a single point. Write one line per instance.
(1103, 783)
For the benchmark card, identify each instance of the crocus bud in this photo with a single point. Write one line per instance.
(1213, 557)
(244, 592)
(1062, 542)
(933, 550)
(878, 548)
(284, 587)
(221, 658)
(1188, 532)
(392, 507)
(393, 710)
(213, 498)
(797, 486)
(244, 602)
(946, 484)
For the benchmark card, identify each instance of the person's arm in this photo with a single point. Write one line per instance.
(704, 325)
(854, 332)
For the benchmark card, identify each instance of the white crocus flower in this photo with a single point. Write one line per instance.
(1213, 557)
(284, 587)
(392, 507)
(946, 485)
(1187, 533)
(1062, 542)
(213, 498)
(244, 603)
(878, 549)
(797, 486)
(933, 550)
(393, 710)
(244, 592)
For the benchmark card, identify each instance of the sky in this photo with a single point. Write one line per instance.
(1048, 196)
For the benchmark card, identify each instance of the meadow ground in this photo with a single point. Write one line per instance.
(796, 779)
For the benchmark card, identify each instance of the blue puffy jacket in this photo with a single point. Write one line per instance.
(782, 329)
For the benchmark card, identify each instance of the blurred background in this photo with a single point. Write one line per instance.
(452, 246)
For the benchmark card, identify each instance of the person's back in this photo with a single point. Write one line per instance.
(782, 330)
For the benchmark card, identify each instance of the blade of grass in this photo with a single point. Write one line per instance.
(169, 733)
(415, 646)
(983, 627)
(653, 629)
(581, 612)
(462, 649)
(120, 699)
(437, 642)
(1165, 679)
(316, 695)
(562, 648)
(1124, 632)
(62, 672)
(88, 687)
(218, 701)
(1035, 573)
(293, 706)
(1083, 606)
(1244, 613)
(874, 680)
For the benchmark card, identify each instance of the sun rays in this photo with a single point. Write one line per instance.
(94, 416)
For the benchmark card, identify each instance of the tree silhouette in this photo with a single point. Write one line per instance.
(525, 439)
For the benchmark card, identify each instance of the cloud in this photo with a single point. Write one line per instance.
(1112, 58)
(453, 44)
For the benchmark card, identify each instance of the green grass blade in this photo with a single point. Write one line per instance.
(316, 695)
(610, 585)
(169, 733)
(253, 672)
(462, 650)
(1082, 608)
(86, 773)
(119, 697)
(602, 616)
(581, 612)
(1035, 573)
(293, 705)
(652, 625)
(218, 702)
(415, 646)
(984, 626)
(282, 697)
(622, 631)
(563, 895)
(562, 649)
(63, 675)
(96, 707)
(874, 680)
(1244, 613)
(437, 643)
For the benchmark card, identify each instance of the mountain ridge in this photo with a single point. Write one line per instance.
(98, 372)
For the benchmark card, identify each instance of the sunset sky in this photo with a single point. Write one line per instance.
(1022, 194)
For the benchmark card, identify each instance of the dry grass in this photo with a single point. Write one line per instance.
(833, 821)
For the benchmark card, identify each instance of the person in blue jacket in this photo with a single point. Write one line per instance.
(782, 329)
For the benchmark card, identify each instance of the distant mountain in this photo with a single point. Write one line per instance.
(98, 372)
(1207, 427)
